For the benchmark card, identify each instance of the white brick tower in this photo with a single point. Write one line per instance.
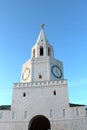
(42, 66)
(40, 101)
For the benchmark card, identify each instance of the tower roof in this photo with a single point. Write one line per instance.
(42, 37)
(42, 47)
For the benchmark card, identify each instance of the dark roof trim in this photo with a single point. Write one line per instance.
(5, 107)
(75, 105)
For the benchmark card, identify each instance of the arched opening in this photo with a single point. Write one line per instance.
(24, 94)
(39, 123)
(54, 92)
(40, 76)
(41, 51)
(34, 53)
(49, 52)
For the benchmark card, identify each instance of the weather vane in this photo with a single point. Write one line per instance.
(42, 26)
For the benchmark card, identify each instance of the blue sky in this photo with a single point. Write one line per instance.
(66, 29)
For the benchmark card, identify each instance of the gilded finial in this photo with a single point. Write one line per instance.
(42, 26)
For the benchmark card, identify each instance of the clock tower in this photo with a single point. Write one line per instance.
(40, 101)
(42, 66)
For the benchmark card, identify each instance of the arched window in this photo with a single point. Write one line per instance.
(24, 94)
(51, 112)
(49, 52)
(77, 111)
(25, 114)
(34, 53)
(40, 76)
(41, 51)
(0, 115)
(86, 111)
(64, 112)
(13, 114)
(54, 92)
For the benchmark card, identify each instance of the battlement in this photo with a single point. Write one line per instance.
(40, 83)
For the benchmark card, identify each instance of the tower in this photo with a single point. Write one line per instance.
(42, 66)
(40, 101)
(43, 89)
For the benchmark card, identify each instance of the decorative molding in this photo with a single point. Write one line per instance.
(41, 83)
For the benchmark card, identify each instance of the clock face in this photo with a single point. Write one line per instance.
(26, 74)
(56, 71)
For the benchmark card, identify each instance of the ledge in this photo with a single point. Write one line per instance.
(41, 83)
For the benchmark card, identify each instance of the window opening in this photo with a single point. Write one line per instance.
(41, 40)
(34, 53)
(25, 114)
(13, 114)
(49, 52)
(77, 111)
(24, 94)
(0, 115)
(64, 112)
(54, 92)
(41, 51)
(86, 111)
(40, 76)
(50, 113)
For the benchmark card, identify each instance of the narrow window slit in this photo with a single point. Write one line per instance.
(24, 94)
(40, 76)
(54, 92)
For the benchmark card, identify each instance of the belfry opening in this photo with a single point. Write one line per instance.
(39, 123)
(41, 51)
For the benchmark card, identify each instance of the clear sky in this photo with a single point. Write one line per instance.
(66, 29)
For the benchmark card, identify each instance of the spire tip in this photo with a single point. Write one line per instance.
(42, 26)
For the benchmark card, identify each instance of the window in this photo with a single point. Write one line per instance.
(64, 112)
(0, 115)
(13, 114)
(24, 94)
(40, 76)
(41, 40)
(54, 92)
(49, 52)
(34, 53)
(77, 111)
(41, 51)
(25, 114)
(86, 111)
(50, 113)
